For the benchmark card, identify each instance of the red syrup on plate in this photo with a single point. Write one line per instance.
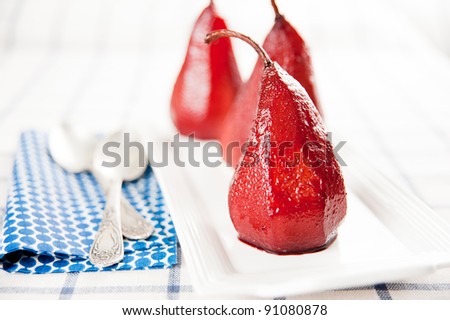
(287, 253)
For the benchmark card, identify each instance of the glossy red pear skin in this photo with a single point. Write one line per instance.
(285, 208)
(207, 83)
(239, 120)
(285, 46)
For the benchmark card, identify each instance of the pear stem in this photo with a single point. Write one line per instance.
(275, 8)
(217, 34)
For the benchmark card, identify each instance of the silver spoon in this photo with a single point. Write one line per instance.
(107, 248)
(72, 147)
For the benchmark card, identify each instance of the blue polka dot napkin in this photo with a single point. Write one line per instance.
(52, 216)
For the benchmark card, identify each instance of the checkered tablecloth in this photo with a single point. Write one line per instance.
(384, 86)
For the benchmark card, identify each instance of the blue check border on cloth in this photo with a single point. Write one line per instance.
(52, 216)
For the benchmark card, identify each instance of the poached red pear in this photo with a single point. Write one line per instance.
(207, 83)
(285, 46)
(287, 195)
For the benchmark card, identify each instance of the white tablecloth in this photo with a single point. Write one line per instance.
(384, 86)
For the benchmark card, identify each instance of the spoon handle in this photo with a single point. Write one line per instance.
(134, 226)
(107, 248)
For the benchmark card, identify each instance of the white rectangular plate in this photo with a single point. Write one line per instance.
(388, 235)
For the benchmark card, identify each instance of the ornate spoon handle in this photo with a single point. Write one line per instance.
(107, 248)
(134, 226)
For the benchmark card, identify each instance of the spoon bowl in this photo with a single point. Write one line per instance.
(114, 160)
(72, 147)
